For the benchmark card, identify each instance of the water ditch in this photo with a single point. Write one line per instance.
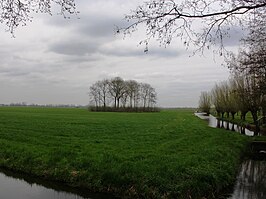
(15, 185)
(215, 123)
(251, 179)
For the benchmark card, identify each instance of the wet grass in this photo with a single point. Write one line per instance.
(171, 154)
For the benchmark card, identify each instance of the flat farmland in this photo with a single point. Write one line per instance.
(169, 154)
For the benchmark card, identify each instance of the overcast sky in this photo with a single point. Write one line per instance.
(54, 61)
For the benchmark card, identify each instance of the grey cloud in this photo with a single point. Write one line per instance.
(120, 51)
(126, 51)
(13, 73)
(69, 47)
(232, 35)
(90, 26)
(158, 75)
(165, 52)
(100, 27)
(30, 76)
(83, 59)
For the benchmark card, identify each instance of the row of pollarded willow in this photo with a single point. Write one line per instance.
(224, 97)
(250, 65)
(240, 93)
(118, 94)
(245, 91)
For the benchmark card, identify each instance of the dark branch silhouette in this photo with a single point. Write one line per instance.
(14, 13)
(166, 19)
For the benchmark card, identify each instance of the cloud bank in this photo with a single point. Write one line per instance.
(54, 61)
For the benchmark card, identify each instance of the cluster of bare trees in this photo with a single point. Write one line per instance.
(246, 90)
(117, 94)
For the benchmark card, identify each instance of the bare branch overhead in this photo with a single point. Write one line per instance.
(199, 22)
(14, 13)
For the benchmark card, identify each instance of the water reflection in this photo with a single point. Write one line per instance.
(229, 126)
(24, 187)
(251, 181)
(215, 123)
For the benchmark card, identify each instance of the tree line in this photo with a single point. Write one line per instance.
(245, 91)
(117, 94)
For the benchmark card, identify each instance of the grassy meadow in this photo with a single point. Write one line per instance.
(169, 154)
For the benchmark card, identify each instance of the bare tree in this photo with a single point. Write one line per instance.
(102, 87)
(216, 93)
(233, 98)
(144, 92)
(126, 95)
(166, 19)
(254, 58)
(239, 89)
(224, 98)
(14, 13)
(205, 102)
(94, 94)
(117, 89)
(133, 92)
(119, 92)
(152, 98)
(147, 94)
(254, 99)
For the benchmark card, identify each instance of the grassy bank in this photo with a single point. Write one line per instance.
(170, 154)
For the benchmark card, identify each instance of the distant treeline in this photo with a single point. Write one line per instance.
(121, 95)
(44, 105)
(124, 109)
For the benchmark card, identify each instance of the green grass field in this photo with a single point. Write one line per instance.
(170, 154)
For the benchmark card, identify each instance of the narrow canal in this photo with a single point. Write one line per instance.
(14, 185)
(251, 179)
(213, 122)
